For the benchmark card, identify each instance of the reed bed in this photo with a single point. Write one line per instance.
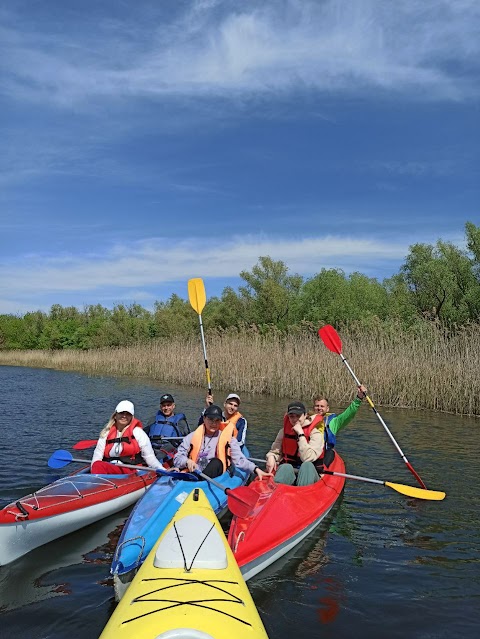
(434, 370)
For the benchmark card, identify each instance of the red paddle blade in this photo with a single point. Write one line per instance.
(85, 443)
(330, 338)
(242, 501)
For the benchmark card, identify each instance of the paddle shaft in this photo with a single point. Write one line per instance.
(88, 461)
(331, 472)
(196, 296)
(90, 443)
(411, 491)
(387, 430)
(212, 481)
(207, 370)
(332, 341)
(241, 505)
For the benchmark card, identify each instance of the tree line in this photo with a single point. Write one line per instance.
(437, 283)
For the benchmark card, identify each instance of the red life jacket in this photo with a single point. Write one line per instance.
(130, 447)
(290, 439)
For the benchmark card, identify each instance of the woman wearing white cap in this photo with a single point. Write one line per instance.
(123, 440)
(231, 415)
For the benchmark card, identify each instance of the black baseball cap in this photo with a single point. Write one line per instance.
(296, 408)
(214, 412)
(167, 398)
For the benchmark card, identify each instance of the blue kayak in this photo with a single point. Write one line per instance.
(154, 511)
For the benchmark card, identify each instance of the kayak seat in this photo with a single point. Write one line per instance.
(191, 542)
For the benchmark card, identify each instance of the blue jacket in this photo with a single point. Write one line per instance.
(330, 439)
(174, 426)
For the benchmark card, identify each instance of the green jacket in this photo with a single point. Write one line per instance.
(340, 421)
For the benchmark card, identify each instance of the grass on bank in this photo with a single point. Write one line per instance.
(432, 370)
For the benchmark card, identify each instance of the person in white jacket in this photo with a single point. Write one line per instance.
(122, 440)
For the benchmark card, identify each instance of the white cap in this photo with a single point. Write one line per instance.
(233, 396)
(125, 407)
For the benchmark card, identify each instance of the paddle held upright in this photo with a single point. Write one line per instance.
(197, 298)
(332, 341)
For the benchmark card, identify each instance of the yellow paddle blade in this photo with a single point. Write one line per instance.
(419, 493)
(196, 294)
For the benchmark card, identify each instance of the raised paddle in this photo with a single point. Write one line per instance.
(332, 341)
(61, 458)
(404, 489)
(197, 298)
(240, 500)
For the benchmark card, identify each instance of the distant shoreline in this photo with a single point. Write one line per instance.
(436, 372)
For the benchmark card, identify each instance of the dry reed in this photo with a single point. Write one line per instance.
(436, 371)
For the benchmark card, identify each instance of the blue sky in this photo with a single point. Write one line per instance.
(147, 143)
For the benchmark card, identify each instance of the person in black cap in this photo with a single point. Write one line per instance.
(166, 425)
(306, 442)
(211, 449)
(298, 444)
(230, 415)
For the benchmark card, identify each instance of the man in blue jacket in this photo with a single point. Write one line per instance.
(167, 425)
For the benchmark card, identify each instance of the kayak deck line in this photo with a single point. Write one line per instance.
(153, 513)
(189, 584)
(64, 506)
(96, 483)
(197, 603)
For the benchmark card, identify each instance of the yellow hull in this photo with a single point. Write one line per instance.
(189, 587)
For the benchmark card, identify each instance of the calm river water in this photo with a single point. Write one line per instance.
(383, 565)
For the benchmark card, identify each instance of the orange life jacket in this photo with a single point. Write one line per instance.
(227, 431)
(290, 439)
(233, 421)
(130, 447)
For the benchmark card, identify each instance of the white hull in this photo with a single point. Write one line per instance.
(21, 537)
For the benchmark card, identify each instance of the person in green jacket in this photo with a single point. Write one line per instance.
(336, 422)
(316, 451)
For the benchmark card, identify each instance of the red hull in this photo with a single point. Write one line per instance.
(73, 492)
(281, 518)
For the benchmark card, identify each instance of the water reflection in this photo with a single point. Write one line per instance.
(419, 559)
(36, 576)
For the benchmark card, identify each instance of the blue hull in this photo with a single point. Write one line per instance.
(154, 511)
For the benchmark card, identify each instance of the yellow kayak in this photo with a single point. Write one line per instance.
(189, 586)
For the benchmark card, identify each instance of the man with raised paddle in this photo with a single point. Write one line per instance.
(306, 443)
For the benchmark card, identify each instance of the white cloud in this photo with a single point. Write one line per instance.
(137, 267)
(123, 273)
(427, 49)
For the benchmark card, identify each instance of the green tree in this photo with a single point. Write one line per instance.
(441, 282)
(333, 298)
(269, 294)
(174, 317)
(473, 239)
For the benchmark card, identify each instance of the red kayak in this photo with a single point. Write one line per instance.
(66, 505)
(281, 518)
